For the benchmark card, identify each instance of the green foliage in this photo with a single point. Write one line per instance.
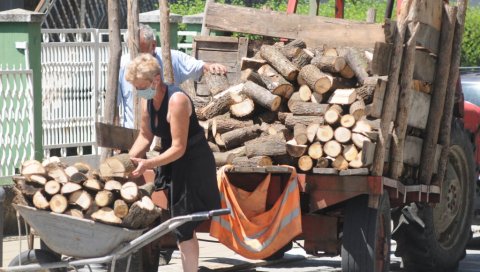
(471, 38)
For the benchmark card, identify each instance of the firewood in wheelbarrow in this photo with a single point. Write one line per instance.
(81, 198)
(40, 201)
(27, 188)
(32, 167)
(129, 192)
(74, 212)
(52, 187)
(120, 208)
(56, 172)
(93, 185)
(78, 178)
(106, 215)
(70, 187)
(141, 214)
(82, 167)
(112, 185)
(58, 203)
(104, 198)
(117, 166)
(70, 171)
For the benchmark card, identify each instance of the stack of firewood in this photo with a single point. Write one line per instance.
(105, 196)
(311, 108)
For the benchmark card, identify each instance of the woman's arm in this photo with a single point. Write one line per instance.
(180, 110)
(145, 137)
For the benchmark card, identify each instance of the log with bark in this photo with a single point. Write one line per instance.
(141, 214)
(117, 166)
(279, 62)
(216, 83)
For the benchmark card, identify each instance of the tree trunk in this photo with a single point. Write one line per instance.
(164, 8)
(279, 62)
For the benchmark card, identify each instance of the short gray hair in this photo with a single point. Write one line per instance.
(147, 32)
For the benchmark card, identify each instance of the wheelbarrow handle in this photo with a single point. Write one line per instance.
(200, 216)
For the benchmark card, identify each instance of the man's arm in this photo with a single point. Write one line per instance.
(187, 67)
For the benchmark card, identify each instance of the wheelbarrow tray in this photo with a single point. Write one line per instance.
(76, 237)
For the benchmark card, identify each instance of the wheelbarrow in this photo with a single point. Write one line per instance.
(88, 242)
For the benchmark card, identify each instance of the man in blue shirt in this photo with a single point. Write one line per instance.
(184, 67)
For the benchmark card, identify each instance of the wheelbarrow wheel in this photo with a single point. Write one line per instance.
(37, 256)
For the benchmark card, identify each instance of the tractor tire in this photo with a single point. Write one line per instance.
(366, 236)
(37, 256)
(441, 244)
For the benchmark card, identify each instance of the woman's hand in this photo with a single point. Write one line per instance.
(142, 166)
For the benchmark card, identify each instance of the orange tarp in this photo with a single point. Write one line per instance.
(251, 230)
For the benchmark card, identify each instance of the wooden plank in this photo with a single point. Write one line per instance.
(218, 56)
(419, 110)
(428, 37)
(430, 13)
(115, 137)
(355, 172)
(424, 66)
(315, 31)
(375, 108)
(325, 171)
(216, 39)
(381, 58)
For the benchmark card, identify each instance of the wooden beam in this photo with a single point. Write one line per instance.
(165, 42)
(133, 48)
(425, 64)
(115, 137)
(315, 31)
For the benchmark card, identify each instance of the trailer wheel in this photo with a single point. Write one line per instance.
(442, 243)
(36, 256)
(366, 236)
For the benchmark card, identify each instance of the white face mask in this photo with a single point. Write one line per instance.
(147, 93)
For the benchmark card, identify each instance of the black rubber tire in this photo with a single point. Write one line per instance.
(441, 244)
(366, 236)
(36, 256)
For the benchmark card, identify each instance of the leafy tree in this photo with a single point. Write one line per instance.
(471, 38)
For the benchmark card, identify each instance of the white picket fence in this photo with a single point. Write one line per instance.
(74, 81)
(16, 118)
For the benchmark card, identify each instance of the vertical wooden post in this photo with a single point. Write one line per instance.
(404, 104)
(437, 103)
(205, 29)
(313, 7)
(371, 15)
(133, 48)
(165, 41)
(111, 109)
(446, 124)
(391, 93)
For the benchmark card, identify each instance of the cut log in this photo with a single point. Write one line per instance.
(104, 198)
(329, 64)
(307, 108)
(220, 105)
(294, 149)
(366, 92)
(273, 145)
(350, 152)
(129, 192)
(49, 160)
(332, 116)
(275, 129)
(340, 163)
(40, 201)
(291, 120)
(120, 208)
(279, 62)
(223, 158)
(57, 173)
(290, 50)
(347, 120)
(250, 75)
(296, 97)
(70, 171)
(242, 109)
(28, 189)
(251, 63)
(37, 179)
(222, 125)
(322, 163)
(316, 98)
(93, 185)
(117, 166)
(52, 187)
(107, 215)
(82, 167)
(342, 135)
(75, 213)
(78, 177)
(261, 96)
(32, 167)
(358, 139)
(357, 161)
(141, 214)
(315, 150)
(303, 58)
(58, 203)
(332, 148)
(315, 79)
(305, 93)
(239, 136)
(282, 116)
(300, 134)
(312, 132)
(219, 141)
(362, 126)
(70, 187)
(305, 163)
(357, 61)
(238, 152)
(357, 109)
(343, 97)
(216, 83)
(259, 161)
(330, 51)
(325, 133)
(112, 185)
(81, 198)
(347, 72)
(274, 82)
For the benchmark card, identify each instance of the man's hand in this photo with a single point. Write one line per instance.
(142, 166)
(215, 68)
